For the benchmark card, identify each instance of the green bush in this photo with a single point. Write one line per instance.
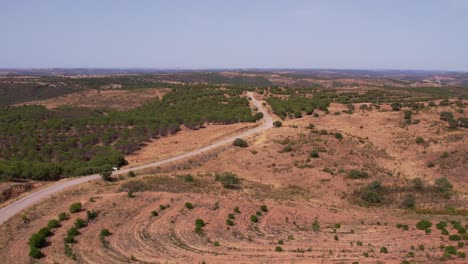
(63, 216)
(53, 224)
(357, 174)
(73, 231)
(37, 240)
(199, 224)
(443, 186)
(106, 174)
(264, 208)
(280, 242)
(409, 201)
(75, 208)
(455, 237)
(420, 141)
(254, 218)
(154, 213)
(237, 210)
(450, 250)
(278, 249)
(131, 174)
(104, 232)
(91, 214)
(277, 124)
(239, 142)
(418, 184)
(441, 225)
(423, 225)
(231, 216)
(338, 136)
(314, 154)
(80, 223)
(189, 206)
(229, 222)
(383, 250)
(35, 253)
(229, 180)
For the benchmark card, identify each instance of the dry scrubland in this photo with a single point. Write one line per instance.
(297, 201)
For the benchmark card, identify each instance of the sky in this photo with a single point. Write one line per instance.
(199, 34)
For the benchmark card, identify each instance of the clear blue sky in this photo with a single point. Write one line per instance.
(365, 34)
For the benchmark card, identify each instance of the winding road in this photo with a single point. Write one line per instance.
(10, 210)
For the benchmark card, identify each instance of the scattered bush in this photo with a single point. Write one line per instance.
(383, 250)
(199, 224)
(441, 225)
(237, 210)
(75, 208)
(53, 224)
(229, 180)
(338, 136)
(154, 213)
(420, 141)
(280, 242)
(314, 154)
(104, 232)
(278, 249)
(90, 215)
(239, 142)
(357, 174)
(80, 223)
(231, 216)
(264, 208)
(35, 253)
(277, 124)
(254, 218)
(229, 222)
(455, 237)
(189, 206)
(423, 225)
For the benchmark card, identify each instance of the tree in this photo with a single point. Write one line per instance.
(75, 207)
(423, 224)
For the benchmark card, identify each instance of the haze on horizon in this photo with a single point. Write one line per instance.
(362, 34)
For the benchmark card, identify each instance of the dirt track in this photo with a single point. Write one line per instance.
(16, 207)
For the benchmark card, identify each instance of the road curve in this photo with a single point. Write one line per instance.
(10, 210)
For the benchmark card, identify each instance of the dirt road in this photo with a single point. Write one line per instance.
(25, 202)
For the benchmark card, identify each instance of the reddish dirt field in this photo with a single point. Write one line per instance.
(296, 189)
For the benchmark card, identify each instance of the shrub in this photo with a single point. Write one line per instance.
(396, 106)
(217, 244)
(418, 184)
(254, 218)
(231, 216)
(163, 207)
(383, 250)
(37, 240)
(131, 174)
(277, 124)
(188, 178)
(441, 225)
(428, 231)
(278, 249)
(455, 237)
(446, 116)
(80, 223)
(337, 225)
(314, 154)
(315, 225)
(450, 250)
(431, 103)
(409, 201)
(359, 243)
(423, 225)
(443, 186)
(336, 238)
(288, 148)
(90, 215)
(357, 174)
(35, 253)
(69, 239)
(75, 208)
(237, 210)
(338, 136)
(189, 206)
(104, 232)
(461, 254)
(229, 180)
(264, 208)
(445, 232)
(408, 114)
(154, 213)
(229, 222)
(420, 140)
(53, 224)
(239, 142)
(73, 231)
(199, 224)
